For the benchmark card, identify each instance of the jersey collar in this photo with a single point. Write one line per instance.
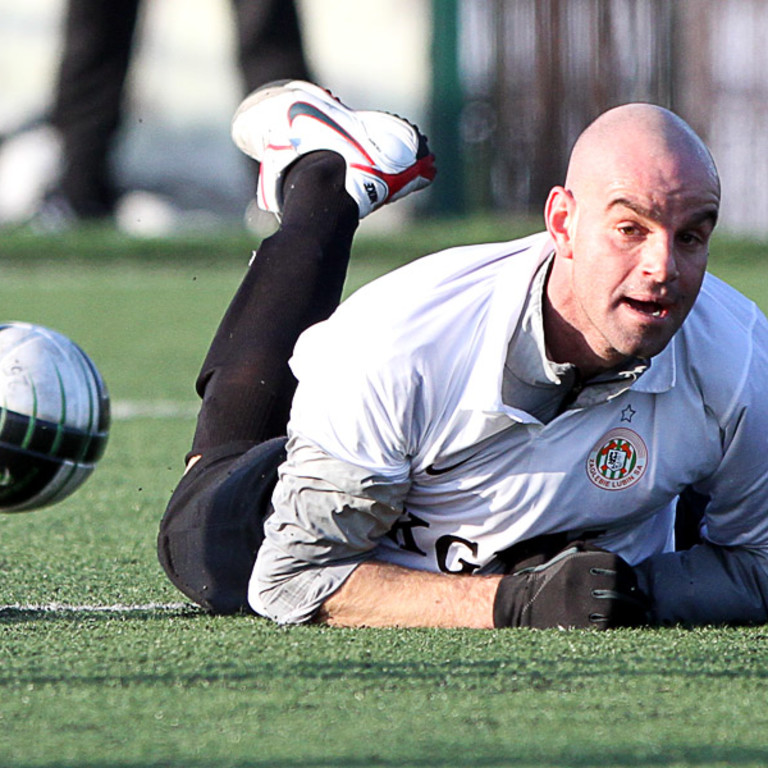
(484, 390)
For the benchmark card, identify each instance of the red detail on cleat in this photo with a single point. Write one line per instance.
(424, 167)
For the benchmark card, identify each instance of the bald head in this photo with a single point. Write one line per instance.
(633, 135)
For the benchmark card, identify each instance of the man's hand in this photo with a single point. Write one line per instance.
(580, 587)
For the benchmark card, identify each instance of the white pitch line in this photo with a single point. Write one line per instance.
(126, 410)
(114, 608)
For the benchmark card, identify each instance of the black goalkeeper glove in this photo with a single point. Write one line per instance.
(581, 587)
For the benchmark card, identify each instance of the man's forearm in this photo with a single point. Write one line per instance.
(384, 595)
(706, 584)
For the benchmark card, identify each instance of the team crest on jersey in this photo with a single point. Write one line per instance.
(618, 460)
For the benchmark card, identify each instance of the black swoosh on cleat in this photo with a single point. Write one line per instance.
(302, 109)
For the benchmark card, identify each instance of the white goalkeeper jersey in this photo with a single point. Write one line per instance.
(403, 448)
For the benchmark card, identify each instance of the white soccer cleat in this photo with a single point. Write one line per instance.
(386, 156)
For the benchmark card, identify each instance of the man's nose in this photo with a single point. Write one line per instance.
(659, 259)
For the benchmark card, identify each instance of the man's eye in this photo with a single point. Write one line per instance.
(629, 230)
(689, 238)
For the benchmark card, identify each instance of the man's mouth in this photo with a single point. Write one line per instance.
(656, 309)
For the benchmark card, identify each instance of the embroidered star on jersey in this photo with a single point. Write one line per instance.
(627, 413)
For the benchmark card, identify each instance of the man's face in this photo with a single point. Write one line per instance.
(638, 249)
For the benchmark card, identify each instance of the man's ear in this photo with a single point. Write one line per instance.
(559, 213)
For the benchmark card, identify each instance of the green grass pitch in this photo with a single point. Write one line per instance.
(102, 663)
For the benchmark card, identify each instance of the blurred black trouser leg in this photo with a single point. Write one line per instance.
(270, 45)
(87, 110)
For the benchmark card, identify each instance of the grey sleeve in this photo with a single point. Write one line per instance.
(328, 517)
(707, 584)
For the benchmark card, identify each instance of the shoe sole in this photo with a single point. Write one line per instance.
(278, 88)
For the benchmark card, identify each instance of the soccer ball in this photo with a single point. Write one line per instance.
(54, 417)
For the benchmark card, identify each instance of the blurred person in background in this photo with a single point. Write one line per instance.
(89, 98)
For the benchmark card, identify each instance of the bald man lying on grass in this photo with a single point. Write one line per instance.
(492, 436)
